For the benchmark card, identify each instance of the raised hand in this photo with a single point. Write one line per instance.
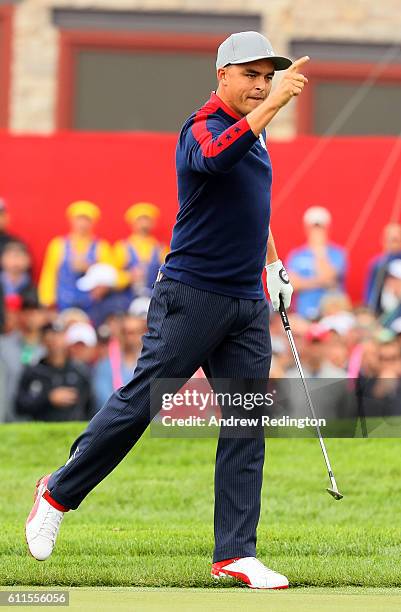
(291, 84)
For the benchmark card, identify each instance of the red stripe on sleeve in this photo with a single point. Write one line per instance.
(212, 147)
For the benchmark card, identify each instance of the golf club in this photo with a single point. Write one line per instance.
(334, 489)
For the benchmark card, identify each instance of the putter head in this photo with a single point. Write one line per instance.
(334, 493)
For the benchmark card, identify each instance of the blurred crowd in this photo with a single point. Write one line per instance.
(336, 339)
(68, 341)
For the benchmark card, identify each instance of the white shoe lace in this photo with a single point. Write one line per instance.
(51, 524)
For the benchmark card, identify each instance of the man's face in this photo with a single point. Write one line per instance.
(3, 220)
(337, 354)
(15, 260)
(245, 86)
(81, 352)
(316, 350)
(316, 233)
(143, 225)
(55, 343)
(99, 292)
(392, 238)
(132, 331)
(81, 224)
(390, 357)
(32, 319)
(393, 285)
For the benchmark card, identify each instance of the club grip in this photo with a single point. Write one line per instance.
(283, 314)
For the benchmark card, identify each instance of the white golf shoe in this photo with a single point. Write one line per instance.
(43, 523)
(250, 571)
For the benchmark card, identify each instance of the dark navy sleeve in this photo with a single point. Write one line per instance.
(209, 146)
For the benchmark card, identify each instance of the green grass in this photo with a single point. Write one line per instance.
(150, 523)
(313, 599)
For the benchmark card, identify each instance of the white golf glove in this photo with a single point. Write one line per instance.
(277, 282)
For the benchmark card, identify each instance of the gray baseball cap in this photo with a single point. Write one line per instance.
(245, 47)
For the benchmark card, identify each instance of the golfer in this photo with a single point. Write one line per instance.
(208, 306)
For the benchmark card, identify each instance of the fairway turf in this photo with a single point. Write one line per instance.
(345, 599)
(150, 523)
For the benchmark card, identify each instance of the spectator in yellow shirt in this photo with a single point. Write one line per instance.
(68, 257)
(139, 257)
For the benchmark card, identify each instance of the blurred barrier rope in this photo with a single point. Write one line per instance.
(337, 123)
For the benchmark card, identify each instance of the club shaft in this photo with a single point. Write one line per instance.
(288, 331)
(301, 372)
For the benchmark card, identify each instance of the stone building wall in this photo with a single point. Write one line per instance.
(35, 41)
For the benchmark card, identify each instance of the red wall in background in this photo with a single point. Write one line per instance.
(39, 176)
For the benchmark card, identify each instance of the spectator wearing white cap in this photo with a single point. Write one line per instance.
(100, 281)
(81, 342)
(316, 267)
(336, 313)
(139, 307)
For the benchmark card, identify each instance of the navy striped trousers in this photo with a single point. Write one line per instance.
(187, 328)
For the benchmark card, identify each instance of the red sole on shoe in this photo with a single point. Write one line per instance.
(268, 588)
(238, 579)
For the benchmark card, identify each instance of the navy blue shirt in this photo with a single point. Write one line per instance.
(224, 184)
